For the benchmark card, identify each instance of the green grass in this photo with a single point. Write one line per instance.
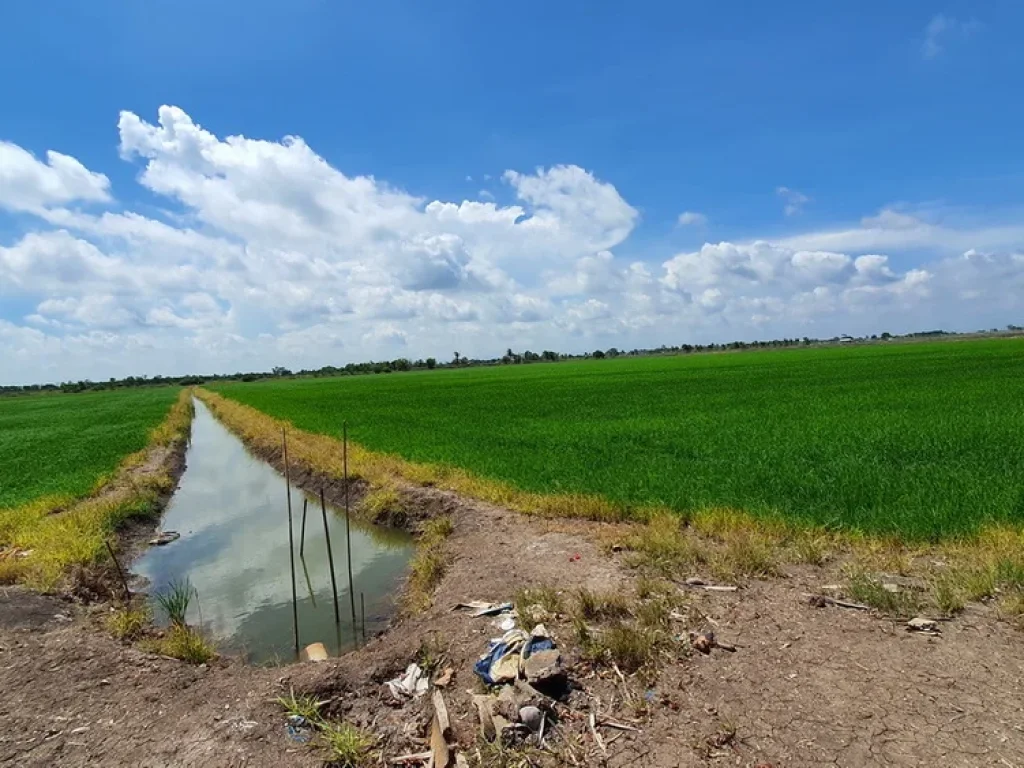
(921, 440)
(63, 445)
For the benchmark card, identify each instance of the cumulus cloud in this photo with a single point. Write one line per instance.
(270, 255)
(28, 184)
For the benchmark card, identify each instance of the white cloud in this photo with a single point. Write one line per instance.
(269, 255)
(794, 201)
(28, 184)
(692, 219)
(941, 29)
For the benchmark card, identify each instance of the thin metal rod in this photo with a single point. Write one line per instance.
(309, 584)
(302, 536)
(362, 608)
(120, 572)
(291, 539)
(330, 557)
(348, 527)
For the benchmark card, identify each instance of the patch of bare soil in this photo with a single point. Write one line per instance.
(806, 686)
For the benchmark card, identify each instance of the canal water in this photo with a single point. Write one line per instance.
(230, 509)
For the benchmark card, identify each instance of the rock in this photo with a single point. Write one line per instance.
(531, 717)
(695, 581)
(888, 586)
(507, 704)
(544, 665)
(920, 624)
(703, 641)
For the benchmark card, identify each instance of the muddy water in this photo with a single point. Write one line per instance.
(230, 509)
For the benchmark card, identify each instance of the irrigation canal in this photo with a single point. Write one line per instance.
(230, 509)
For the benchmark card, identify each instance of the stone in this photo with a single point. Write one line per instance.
(544, 665)
(920, 624)
(532, 718)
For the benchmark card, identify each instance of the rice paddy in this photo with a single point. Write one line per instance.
(62, 446)
(922, 441)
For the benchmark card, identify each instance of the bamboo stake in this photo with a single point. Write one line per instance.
(302, 535)
(330, 557)
(348, 530)
(291, 540)
(120, 572)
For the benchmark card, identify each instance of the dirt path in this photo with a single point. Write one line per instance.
(806, 686)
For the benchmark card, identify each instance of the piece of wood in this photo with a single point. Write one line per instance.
(440, 755)
(441, 712)
(418, 757)
(592, 722)
(619, 726)
(838, 603)
(484, 708)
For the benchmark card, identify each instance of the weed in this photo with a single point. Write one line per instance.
(629, 647)
(868, 590)
(535, 605)
(947, 594)
(181, 642)
(812, 548)
(593, 606)
(745, 554)
(432, 653)
(663, 545)
(128, 623)
(381, 502)
(494, 754)
(429, 564)
(175, 601)
(348, 746)
(301, 706)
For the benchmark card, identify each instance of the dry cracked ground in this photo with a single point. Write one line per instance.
(805, 686)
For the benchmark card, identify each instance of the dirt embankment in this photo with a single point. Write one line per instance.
(805, 686)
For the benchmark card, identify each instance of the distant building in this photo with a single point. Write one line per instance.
(844, 339)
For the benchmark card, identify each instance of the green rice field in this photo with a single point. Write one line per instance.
(61, 445)
(921, 440)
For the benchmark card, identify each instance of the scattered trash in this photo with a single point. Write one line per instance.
(444, 678)
(575, 558)
(299, 729)
(314, 652)
(481, 608)
(410, 685)
(415, 758)
(507, 623)
(925, 626)
(166, 537)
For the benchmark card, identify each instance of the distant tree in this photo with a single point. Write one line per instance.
(886, 336)
(431, 363)
(598, 354)
(612, 352)
(278, 370)
(456, 358)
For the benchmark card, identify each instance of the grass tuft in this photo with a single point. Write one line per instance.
(129, 623)
(428, 565)
(175, 601)
(348, 746)
(181, 642)
(866, 589)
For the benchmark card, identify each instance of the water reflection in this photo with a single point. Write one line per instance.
(231, 513)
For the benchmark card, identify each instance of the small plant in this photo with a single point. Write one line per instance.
(629, 647)
(868, 590)
(592, 606)
(429, 564)
(301, 706)
(175, 601)
(537, 604)
(948, 596)
(745, 554)
(348, 746)
(431, 653)
(381, 502)
(128, 623)
(183, 643)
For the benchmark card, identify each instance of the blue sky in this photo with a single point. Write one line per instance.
(909, 108)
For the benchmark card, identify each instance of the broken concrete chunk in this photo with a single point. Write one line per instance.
(544, 665)
(314, 652)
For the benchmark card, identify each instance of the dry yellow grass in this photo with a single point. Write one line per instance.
(43, 539)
